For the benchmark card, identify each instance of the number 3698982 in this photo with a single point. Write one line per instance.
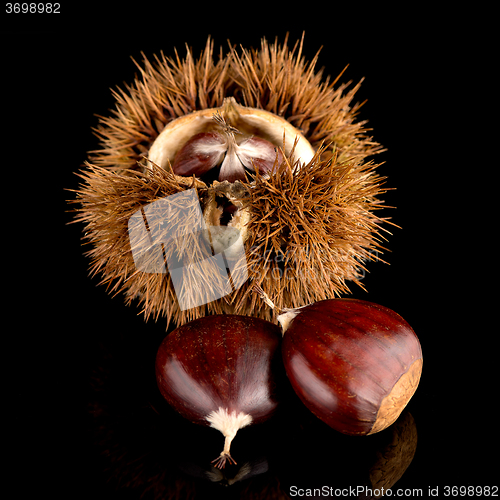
(33, 8)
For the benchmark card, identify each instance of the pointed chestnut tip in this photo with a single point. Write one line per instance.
(228, 424)
(285, 316)
(220, 461)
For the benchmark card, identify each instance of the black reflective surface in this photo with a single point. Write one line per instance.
(88, 418)
(151, 448)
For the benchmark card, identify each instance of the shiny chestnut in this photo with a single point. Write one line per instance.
(353, 363)
(210, 149)
(217, 371)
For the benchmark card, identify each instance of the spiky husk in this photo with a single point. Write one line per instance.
(310, 232)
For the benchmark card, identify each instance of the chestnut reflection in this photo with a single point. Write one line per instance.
(396, 454)
(319, 460)
(144, 449)
(228, 476)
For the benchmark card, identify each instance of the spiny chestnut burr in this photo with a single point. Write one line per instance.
(217, 371)
(311, 205)
(353, 363)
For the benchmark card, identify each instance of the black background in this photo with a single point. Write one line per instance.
(77, 351)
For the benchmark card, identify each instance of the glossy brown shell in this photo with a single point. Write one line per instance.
(353, 363)
(220, 361)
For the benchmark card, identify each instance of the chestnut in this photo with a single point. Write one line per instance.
(207, 150)
(217, 371)
(200, 154)
(353, 363)
(266, 136)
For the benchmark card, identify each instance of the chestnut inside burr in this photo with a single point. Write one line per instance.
(233, 137)
(225, 154)
(219, 150)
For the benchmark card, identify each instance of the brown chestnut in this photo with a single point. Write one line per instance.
(207, 150)
(230, 118)
(353, 363)
(200, 154)
(216, 371)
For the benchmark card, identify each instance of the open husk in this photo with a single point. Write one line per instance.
(308, 228)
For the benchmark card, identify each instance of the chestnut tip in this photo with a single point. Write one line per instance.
(220, 461)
